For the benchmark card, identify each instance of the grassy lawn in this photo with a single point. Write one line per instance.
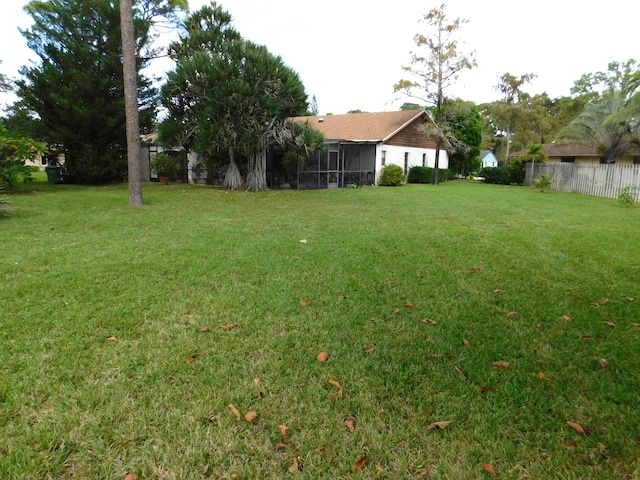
(126, 334)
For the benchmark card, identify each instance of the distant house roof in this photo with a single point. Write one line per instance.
(567, 150)
(364, 127)
(484, 153)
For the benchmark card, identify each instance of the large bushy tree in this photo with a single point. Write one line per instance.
(229, 95)
(76, 90)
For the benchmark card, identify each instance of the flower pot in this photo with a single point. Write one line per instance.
(164, 180)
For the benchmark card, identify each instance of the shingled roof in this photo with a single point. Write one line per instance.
(363, 127)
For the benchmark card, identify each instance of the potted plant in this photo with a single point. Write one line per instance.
(166, 167)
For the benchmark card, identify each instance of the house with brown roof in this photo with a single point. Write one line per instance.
(359, 145)
(566, 153)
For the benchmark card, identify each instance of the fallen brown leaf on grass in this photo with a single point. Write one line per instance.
(439, 425)
(461, 375)
(488, 468)
(577, 427)
(305, 303)
(499, 290)
(611, 324)
(566, 317)
(476, 270)
(228, 326)
(425, 473)
(396, 311)
(602, 301)
(190, 359)
(466, 343)
(235, 411)
(350, 422)
(501, 365)
(250, 416)
(379, 468)
(338, 386)
(281, 446)
(370, 350)
(428, 320)
(256, 380)
(294, 465)
(323, 357)
(284, 431)
(542, 376)
(205, 329)
(408, 304)
(630, 299)
(131, 476)
(604, 363)
(361, 463)
(512, 314)
(112, 337)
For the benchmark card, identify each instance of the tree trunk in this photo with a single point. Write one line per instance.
(130, 73)
(232, 179)
(257, 177)
(436, 164)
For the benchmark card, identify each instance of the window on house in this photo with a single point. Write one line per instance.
(424, 159)
(406, 163)
(384, 157)
(636, 160)
(568, 159)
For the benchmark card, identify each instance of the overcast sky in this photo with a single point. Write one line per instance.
(349, 53)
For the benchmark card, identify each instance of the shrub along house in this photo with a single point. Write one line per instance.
(359, 145)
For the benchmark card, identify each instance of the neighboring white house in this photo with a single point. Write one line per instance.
(488, 159)
(359, 145)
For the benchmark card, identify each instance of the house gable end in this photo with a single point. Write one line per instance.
(412, 135)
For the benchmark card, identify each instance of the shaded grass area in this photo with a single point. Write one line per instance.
(107, 366)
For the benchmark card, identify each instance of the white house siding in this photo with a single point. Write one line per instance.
(396, 156)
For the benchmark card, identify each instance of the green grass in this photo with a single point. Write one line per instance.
(104, 368)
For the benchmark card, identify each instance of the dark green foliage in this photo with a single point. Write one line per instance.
(511, 175)
(465, 122)
(392, 176)
(419, 174)
(76, 88)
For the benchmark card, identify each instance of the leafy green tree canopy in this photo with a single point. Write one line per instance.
(228, 94)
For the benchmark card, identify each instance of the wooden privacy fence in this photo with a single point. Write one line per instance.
(604, 180)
